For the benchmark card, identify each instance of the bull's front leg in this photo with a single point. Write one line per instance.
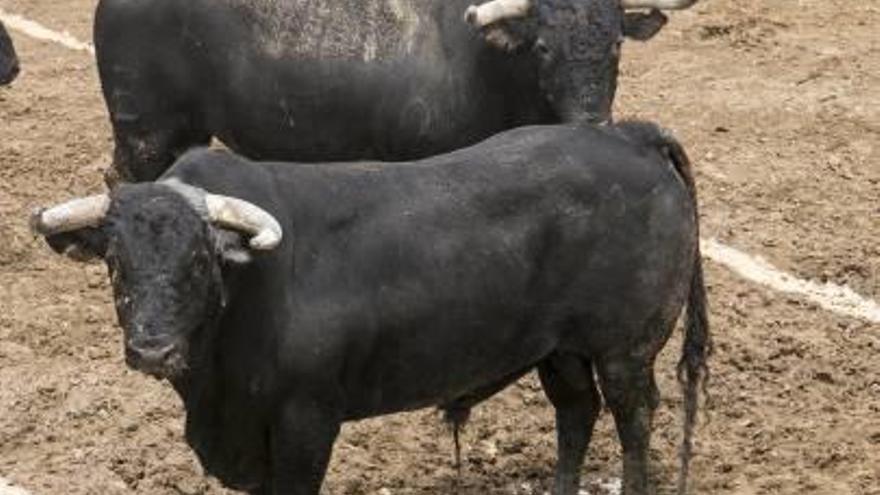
(301, 441)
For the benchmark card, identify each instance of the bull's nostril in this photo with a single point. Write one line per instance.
(147, 358)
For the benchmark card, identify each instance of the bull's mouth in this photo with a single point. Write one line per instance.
(167, 362)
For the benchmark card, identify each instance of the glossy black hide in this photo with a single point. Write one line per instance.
(402, 286)
(289, 80)
(8, 60)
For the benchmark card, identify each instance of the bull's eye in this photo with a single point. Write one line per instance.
(579, 46)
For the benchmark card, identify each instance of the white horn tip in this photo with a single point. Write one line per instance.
(265, 240)
(36, 221)
(470, 15)
(72, 215)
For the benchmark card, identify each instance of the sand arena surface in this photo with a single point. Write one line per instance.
(778, 104)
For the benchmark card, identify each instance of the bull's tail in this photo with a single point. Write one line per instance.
(693, 372)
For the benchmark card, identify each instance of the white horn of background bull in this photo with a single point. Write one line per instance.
(240, 215)
(496, 10)
(72, 215)
(657, 4)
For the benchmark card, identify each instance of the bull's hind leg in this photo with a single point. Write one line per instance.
(568, 383)
(631, 393)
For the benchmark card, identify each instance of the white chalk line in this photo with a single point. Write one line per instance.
(6, 488)
(833, 297)
(610, 486)
(613, 486)
(40, 32)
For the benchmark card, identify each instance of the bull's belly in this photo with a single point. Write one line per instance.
(280, 131)
(397, 382)
(281, 142)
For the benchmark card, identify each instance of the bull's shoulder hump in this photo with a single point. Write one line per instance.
(207, 166)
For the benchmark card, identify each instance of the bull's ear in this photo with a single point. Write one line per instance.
(81, 245)
(231, 247)
(642, 27)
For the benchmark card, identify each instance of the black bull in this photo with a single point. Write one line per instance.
(400, 286)
(319, 80)
(8, 59)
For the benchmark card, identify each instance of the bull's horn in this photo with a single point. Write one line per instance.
(245, 217)
(72, 215)
(657, 4)
(496, 10)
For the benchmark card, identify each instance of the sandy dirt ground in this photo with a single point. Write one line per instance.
(779, 105)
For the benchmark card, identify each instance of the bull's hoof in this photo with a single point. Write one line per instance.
(470, 15)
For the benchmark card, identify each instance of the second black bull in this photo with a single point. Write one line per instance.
(318, 80)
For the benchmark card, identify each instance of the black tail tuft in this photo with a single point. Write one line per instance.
(693, 372)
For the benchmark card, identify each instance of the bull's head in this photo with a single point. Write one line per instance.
(165, 245)
(576, 43)
(8, 59)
